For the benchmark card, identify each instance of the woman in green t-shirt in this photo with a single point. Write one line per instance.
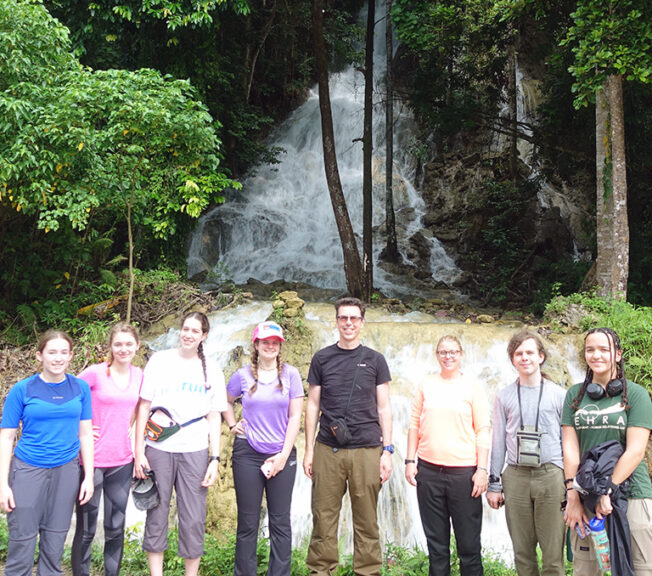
(606, 406)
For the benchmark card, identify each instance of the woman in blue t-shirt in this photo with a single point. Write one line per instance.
(38, 487)
(264, 457)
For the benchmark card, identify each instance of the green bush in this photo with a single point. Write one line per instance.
(79, 314)
(219, 557)
(632, 323)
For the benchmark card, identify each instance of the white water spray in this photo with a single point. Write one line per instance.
(281, 225)
(408, 343)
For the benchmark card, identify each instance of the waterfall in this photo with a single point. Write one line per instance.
(281, 224)
(408, 343)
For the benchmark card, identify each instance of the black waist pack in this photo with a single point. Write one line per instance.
(341, 431)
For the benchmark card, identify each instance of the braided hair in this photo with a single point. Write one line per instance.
(254, 368)
(205, 327)
(614, 346)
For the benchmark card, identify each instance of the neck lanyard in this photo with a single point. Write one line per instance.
(520, 410)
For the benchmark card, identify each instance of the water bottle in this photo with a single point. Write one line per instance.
(601, 543)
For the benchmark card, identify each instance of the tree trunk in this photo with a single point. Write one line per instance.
(132, 277)
(252, 52)
(612, 228)
(513, 110)
(390, 253)
(352, 266)
(367, 149)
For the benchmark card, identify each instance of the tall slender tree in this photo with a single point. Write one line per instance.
(610, 41)
(612, 224)
(352, 265)
(367, 151)
(513, 107)
(390, 253)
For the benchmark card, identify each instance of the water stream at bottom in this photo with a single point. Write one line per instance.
(408, 343)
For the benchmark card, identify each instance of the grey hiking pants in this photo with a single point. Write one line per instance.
(44, 498)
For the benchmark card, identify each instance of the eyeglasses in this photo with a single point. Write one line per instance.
(448, 353)
(347, 319)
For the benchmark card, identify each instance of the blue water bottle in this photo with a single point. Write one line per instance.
(601, 543)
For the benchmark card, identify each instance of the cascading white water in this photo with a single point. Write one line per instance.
(408, 343)
(281, 225)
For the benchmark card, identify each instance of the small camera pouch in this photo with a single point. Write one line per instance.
(528, 447)
(341, 431)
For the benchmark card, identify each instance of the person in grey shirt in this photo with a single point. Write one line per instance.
(527, 433)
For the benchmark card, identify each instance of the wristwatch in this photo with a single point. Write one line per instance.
(389, 448)
(611, 487)
(211, 458)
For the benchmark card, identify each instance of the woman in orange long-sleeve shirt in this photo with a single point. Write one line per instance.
(450, 432)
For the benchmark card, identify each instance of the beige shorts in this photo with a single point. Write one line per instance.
(639, 516)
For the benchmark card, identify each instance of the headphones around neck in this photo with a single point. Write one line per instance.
(595, 391)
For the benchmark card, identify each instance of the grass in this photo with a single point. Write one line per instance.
(220, 551)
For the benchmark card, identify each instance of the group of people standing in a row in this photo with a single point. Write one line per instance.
(75, 445)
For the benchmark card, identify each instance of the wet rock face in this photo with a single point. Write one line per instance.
(455, 188)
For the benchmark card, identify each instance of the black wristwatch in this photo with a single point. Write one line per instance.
(214, 458)
(389, 448)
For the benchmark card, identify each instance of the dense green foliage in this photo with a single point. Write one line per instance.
(460, 51)
(513, 267)
(88, 314)
(97, 128)
(632, 323)
(83, 153)
(609, 38)
(220, 552)
(250, 61)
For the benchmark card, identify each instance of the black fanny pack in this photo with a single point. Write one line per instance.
(341, 431)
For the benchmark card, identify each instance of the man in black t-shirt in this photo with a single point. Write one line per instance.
(349, 385)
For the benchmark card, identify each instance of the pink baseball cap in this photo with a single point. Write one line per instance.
(266, 330)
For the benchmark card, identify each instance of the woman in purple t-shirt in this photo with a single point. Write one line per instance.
(264, 457)
(114, 385)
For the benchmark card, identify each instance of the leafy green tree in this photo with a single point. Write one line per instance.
(611, 42)
(250, 61)
(460, 50)
(82, 147)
